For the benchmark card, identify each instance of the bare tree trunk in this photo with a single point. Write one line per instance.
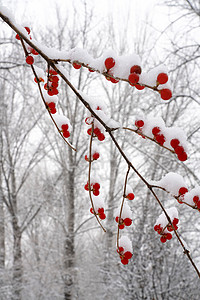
(17, 262)
(69, 249)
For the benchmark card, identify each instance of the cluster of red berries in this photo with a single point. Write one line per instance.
(134, 77)
(96, 132)
(161, 139)
(123, 222)
(109, 64)
(52, 84)
(124, 255)
(95, 156)
(165, 235)
(196, 201)
(65, 130)
(165, 94)
(158, 136)
(179, 150)
(29, 58)
(100, 212)
(94, 188)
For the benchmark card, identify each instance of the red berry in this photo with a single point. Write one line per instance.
(90, 70)
(113, 80)
(136, 69)
(174, 143)
(101, 137)
(130, 196)
(76, 66)
(169, 236)
(133, 78)
(53, 111)
(96, 192)
(17, 37)
(89, 131)
(120, 250)
(95, 155)
(51, 105)
(128, 255)
(182, 156)
(65, 127)
(155, 130)
(117, 219)
(29, 60)
(139, 123)
(109, 63)
(101, 210)
(196, 199)
(66, 134)
(91, 210)
(121, 226)
(165, 94)
(127, 222)
(33, 51)
(139, 87)
(27, 29)
(182, 190)
(162, 78)
(96, 186)
(97, 131)
(160, 139)
(124, 261)
(179, 150)
(175, 221)
(102, 216)
(86, 187)
(163, 238)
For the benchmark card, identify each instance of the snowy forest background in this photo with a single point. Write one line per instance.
(47, 235)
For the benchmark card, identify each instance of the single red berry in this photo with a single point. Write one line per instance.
(101, 210)
(86, 158)
(175, 221)
(127, 221)
(165, 94)
(155, 130)
(51, 105)
(163, 238)
(133, 78)
(117, 219)
(120, 250)
(54, 84)
(66, 134)
(169, 236)
(174, 143)
(182, 190)
(113, 80)
(53, 111)
(182, 156)
(96, 192)
(17, 37)
(128, 255)
(52, 72)
(102, 216)
(109, 63)
(130, 196)
(162, 78)
(136, 69)
(121, 226)
(89, 131)
(34, 52)
(86, 187)
(65, 127)
(139, 87)
(76, 66)
(90, 70)
(96, 186)
(160, 139)
(124, 261)
(139, 123)
(169, 227)
(28, 29)
(91, 210)
(95, 155)
(196, 199)
(29, 60)
(179, 150)
(101, 137)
